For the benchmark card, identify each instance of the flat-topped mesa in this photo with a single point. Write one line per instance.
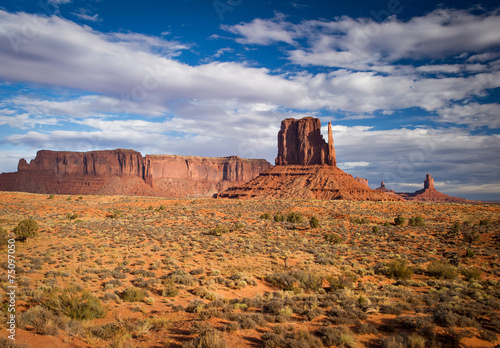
(429, 182)
(301, 142)
(104, 163)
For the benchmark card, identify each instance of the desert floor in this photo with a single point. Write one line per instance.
(148, 272)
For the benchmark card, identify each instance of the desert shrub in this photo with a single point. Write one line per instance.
(266, 216)
(314, 222)
(334, 238)
(399, 221)
(361, 221)
(396, 341)
(375, 229)
(343, 281)
(440, 270)
(484, 222)
(27, 228)
(397, 269)
(416, 221)
(470, 253)
(278, 217)
(219, 230)
(455, 228)
(170, 289)
(195, 306)
(70, 216)
(288, 338)
(472, 273)
(42, 320)
(76, 304)
(4, 237)
(208, 337)
(294, 217)
(182, 277)
(133, 294)
(51, 196)
(295, 279)
(470, 236)
(337, 336)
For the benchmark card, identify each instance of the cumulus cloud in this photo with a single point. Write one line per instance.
(349, 42)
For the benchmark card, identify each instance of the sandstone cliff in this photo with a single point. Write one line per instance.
(301, 142)
(126, 172)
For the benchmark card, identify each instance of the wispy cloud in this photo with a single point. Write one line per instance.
(84, 14)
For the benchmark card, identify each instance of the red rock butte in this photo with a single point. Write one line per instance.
(127, 172)
(427, 194)
(306, 167)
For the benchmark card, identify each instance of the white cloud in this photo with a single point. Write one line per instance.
(348, 42)
(84, 14)
(473, 114)
(59, 2)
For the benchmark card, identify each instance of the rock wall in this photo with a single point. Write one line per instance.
(126, 172)
(93, 163)
(300, 142)
(428, 182)
(361, 180)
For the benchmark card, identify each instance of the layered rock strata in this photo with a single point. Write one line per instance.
(127, 172)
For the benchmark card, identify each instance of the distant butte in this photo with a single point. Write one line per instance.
(427, 194)
(306, 168)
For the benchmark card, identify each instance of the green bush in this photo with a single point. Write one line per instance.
(134, 294)
(470, 254)
(416, 221)
(399, 221)
(27, 228)
(314, 222)
(219, 230)
(361, 221)
(294, 280)
(278, 217)
(79, 305)
(51, 197)
(334, 238)
(294, 217)
(398, 269)
(71, 216)
(265, 216)
(375, 229)
(473, 273)
(470, 236)
(484, 222)
(442, 270)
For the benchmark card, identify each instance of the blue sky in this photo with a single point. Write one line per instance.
(411, 87)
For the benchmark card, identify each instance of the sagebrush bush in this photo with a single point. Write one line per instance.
(314, 222)
(294, 217)
(278, 217)
(442, 270)
(266, 216)
(399, 269)
(27, 228)
(416, 221)
(79, 305)
(334, 238)
(399, 221)
(133, 294)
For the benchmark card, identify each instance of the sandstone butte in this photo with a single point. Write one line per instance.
(127, 172)
(427, 194)
(306, 167)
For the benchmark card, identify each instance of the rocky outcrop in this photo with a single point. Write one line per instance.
(306, 182)
(126, 172)
(306, 168)
(300, 142)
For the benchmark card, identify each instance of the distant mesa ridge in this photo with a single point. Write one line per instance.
(127, 172)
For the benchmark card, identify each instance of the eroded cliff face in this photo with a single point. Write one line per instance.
(300, 142)
(126, 172)
(93, 163)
